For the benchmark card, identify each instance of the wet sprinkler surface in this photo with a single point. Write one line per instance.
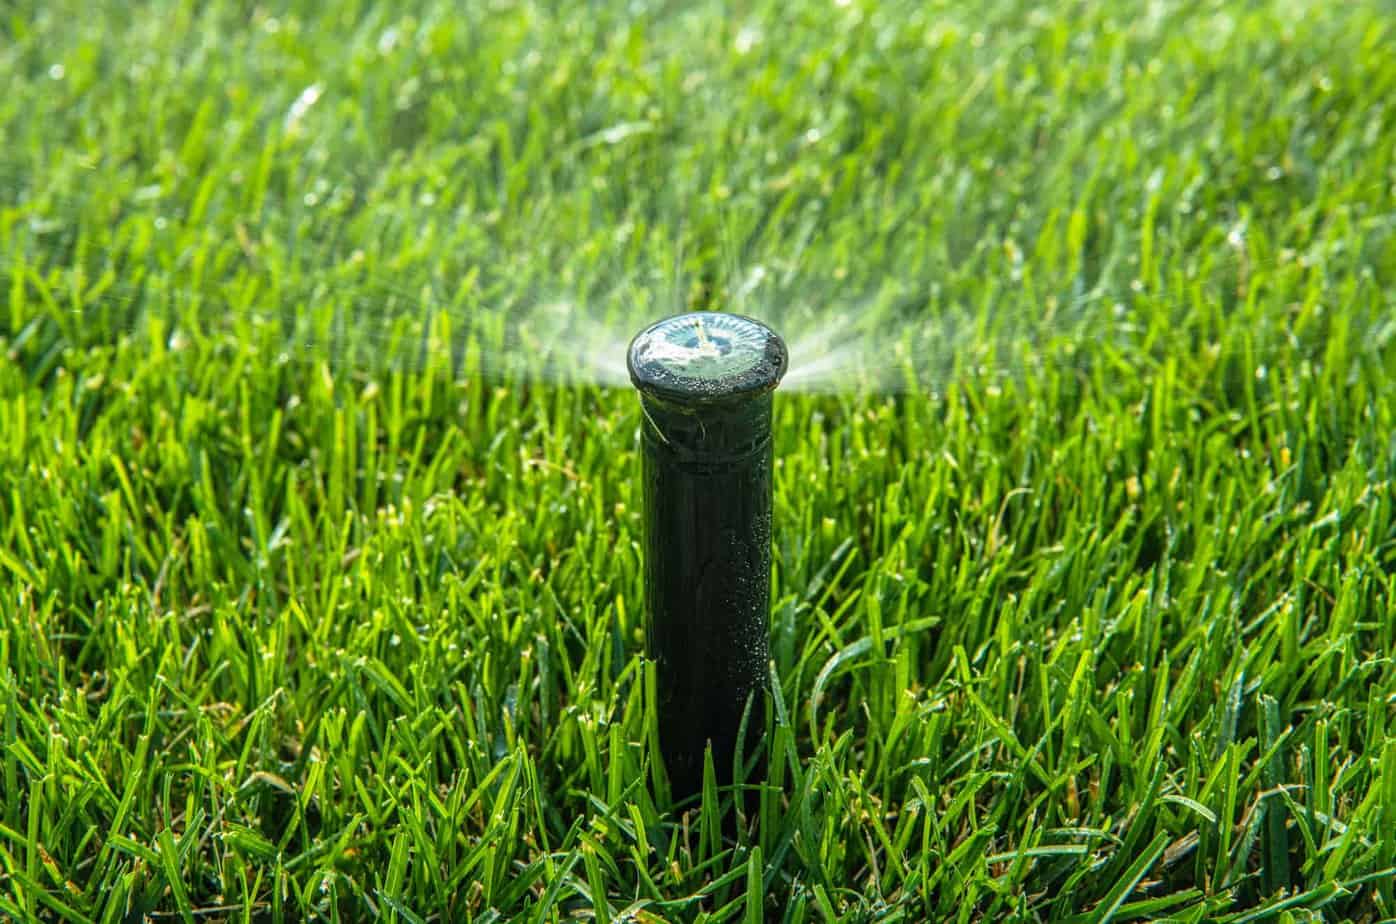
(706, 383)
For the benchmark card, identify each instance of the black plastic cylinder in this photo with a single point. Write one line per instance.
(705, 382)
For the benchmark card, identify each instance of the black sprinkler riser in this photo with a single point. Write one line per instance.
(705, 382)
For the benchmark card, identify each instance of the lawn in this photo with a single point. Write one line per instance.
(320, 574)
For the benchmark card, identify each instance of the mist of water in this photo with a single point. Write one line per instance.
(899, 335)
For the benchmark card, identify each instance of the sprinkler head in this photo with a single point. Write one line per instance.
(705, 382)
(706, 358)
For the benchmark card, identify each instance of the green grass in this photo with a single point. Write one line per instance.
(298, 619)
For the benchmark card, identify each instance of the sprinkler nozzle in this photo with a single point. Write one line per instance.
(705, 382)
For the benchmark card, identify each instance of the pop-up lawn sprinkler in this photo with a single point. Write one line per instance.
(705, 382)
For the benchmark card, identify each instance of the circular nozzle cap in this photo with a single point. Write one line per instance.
(706, 357)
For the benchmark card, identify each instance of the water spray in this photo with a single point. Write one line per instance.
(706, 381)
